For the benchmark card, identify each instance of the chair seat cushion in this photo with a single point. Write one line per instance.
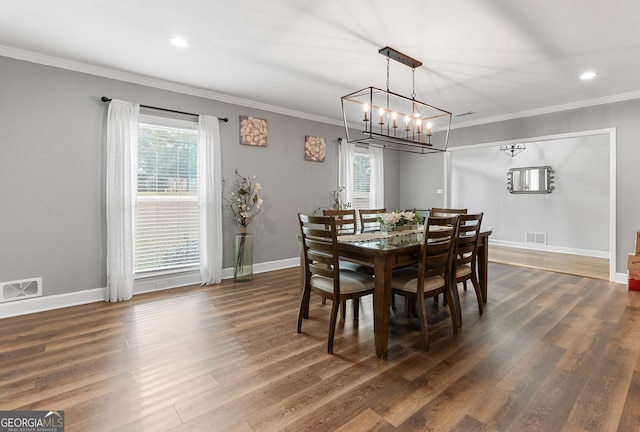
(463, 270)
(407, 280)
(350, 282)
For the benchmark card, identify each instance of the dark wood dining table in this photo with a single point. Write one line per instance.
(385, 255)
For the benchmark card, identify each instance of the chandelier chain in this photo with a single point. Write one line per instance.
(387, 73)
(413, 88)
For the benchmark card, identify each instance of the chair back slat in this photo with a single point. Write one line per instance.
(320, 246)
(468, 235)
(445, 212)
(437, 250)
(345, 220)
(369, 219)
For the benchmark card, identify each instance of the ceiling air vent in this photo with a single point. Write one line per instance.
(20, 289)
(465, 114)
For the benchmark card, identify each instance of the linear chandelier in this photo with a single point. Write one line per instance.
(386, 119)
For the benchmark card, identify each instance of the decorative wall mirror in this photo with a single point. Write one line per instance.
(530, 180)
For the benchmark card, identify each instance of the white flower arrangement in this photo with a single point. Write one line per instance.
(244, 202)
(398, 218)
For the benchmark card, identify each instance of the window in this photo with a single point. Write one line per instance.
(361, 173)
(167, 203)
(361, 179)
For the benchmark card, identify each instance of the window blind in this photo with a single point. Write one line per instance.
(361, 180)
(167, 203)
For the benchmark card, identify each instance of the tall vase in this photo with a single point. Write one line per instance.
(243, 264)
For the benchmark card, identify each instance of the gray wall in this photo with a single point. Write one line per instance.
(52, 171)
(420, 179)
(52, 148)
(574, 216)
(620, 115)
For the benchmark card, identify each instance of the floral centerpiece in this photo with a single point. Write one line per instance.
(245, 204)
(244, 201)
(399, 219)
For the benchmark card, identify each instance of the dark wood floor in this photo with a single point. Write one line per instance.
(553, 352)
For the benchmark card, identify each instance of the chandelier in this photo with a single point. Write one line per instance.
(513, 149)
(386, 119)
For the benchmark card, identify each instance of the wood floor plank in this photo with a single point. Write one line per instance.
(593, 267)
(501, 405)
(552, 352)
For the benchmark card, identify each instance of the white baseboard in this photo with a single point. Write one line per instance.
(41, 304)
(547, 248)
(156, 283)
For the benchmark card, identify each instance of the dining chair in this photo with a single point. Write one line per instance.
(346, 221)
(465, 257)
(432, 276)
(369, 219)
(445, 212)
(323, 274)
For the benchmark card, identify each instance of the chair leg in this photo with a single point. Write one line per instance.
(409, 306)
(455, 299)
(464, 285)
(424, 329)
(452, 310)
(303, 311)
(476, 287)
(324, 300)
(332, 324)
(344, 309)
(356, 309)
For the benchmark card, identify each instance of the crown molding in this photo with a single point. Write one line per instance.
(156, 83)
(550, 109)
(33, 57)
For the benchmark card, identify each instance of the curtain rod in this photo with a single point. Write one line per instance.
(224, 119)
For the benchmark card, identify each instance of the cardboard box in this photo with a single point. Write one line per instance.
(633, 263)
(637, 242)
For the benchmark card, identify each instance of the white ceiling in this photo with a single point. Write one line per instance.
(494, 58)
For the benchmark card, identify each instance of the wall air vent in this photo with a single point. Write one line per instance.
(537, 238)
(20, 289)
(465, 114)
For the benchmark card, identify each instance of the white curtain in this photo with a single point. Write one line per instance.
(122, 184)
(209, 199)
(345, 169)
(377, 176)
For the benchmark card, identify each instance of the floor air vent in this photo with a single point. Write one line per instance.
(20, 289)
(537, 238)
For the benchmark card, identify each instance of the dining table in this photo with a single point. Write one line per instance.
(386, 252)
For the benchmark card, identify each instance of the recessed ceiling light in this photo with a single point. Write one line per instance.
(178, 42)
(588, 75)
